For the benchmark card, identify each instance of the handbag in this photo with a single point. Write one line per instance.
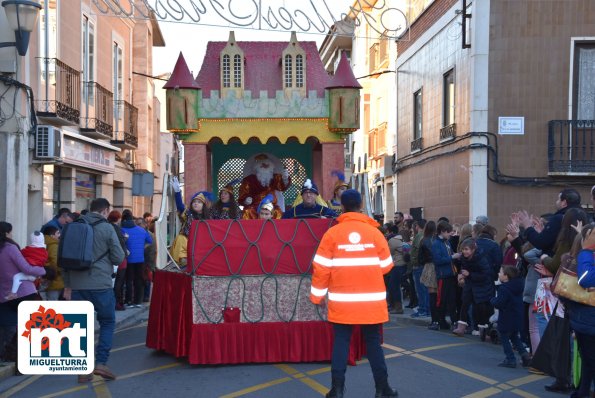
(428, 276)
(553, 352)
(565, 283)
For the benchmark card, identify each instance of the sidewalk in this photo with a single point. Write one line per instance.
(124, 319)
(405, 318)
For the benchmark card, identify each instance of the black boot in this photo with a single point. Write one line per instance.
(384, 390)
(337, 389)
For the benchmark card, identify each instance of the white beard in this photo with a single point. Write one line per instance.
(264, 176)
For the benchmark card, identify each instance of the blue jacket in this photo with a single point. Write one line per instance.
(137, 237)
(442, 258)
(492, 251)
(479, 282)
(582, 317)
(52, 223)
(510, 303)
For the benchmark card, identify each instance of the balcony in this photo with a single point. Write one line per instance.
(60, 90)
(125, 125)
(97, 111)
(448, 133)
(571, 147)
(416, 145)
(373, 58)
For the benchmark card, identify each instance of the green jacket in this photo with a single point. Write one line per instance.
(99, 276)
(415, 249)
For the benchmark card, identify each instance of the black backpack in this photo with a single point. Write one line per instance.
(75, 251)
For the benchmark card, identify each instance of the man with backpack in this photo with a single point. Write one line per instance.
(91, 280)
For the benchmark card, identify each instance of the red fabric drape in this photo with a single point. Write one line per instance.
(254, 247)
(171, 329)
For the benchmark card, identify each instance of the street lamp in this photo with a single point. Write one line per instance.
(22, 17)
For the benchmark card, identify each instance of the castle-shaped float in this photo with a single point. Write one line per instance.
(262, 96)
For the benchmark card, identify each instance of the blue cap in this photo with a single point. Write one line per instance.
(351, 198)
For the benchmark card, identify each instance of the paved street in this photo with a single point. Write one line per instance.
(421, 363)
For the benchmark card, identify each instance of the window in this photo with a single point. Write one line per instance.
(51, 38)
(118, 76)
(237, 70)
(88, 73)
(288, 71)
(448, 111)
(226, 71)
(299, 71)
(417, 115)
(584, 82)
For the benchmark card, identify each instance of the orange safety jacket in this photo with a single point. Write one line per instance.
(349, 265)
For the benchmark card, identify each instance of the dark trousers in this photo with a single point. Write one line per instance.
(515, 338)
(447, 288)
(374, 351)
(135, 283)
(586, 346)
(119, 285)
(481, 312)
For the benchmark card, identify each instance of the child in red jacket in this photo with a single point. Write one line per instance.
(36, 255)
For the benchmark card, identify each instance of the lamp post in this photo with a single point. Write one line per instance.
(22, 18)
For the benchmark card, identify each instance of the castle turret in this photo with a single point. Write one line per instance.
(343, 99)
(183, 97)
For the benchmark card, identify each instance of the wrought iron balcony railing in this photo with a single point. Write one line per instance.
(416, 145)
(59, 98)
(125, 125)
(97, 113)
(448, 132)
(571, 147)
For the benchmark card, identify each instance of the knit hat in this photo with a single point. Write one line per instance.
(309, 186)
(37, 239)
(351, 198)
(340, 180)
(267, 203)
(482, 220)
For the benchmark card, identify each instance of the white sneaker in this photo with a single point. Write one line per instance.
(475, 333)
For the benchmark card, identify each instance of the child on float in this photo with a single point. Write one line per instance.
(226, 207)
(478, 287)
(198, 209)
(509, 302)
(340, 186)
(266, 207)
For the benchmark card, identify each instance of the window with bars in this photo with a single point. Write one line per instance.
(299, 71)
(237, 70)
(226, 71)
(288, 71)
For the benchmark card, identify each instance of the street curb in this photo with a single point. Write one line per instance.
(7, 369)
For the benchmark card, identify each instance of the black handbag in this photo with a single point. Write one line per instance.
(553, 352)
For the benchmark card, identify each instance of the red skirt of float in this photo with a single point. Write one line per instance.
(244, 297)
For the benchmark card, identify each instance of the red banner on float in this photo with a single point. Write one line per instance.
(254, 247)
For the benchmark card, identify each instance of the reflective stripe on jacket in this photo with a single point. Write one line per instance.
(350, 265)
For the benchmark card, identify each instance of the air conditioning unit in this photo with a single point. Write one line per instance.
(48, 143)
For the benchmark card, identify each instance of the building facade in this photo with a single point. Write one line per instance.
(96, 112)
(495, 108)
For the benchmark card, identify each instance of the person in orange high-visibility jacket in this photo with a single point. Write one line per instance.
(349, 267)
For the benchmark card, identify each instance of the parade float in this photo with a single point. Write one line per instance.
(243, 295)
